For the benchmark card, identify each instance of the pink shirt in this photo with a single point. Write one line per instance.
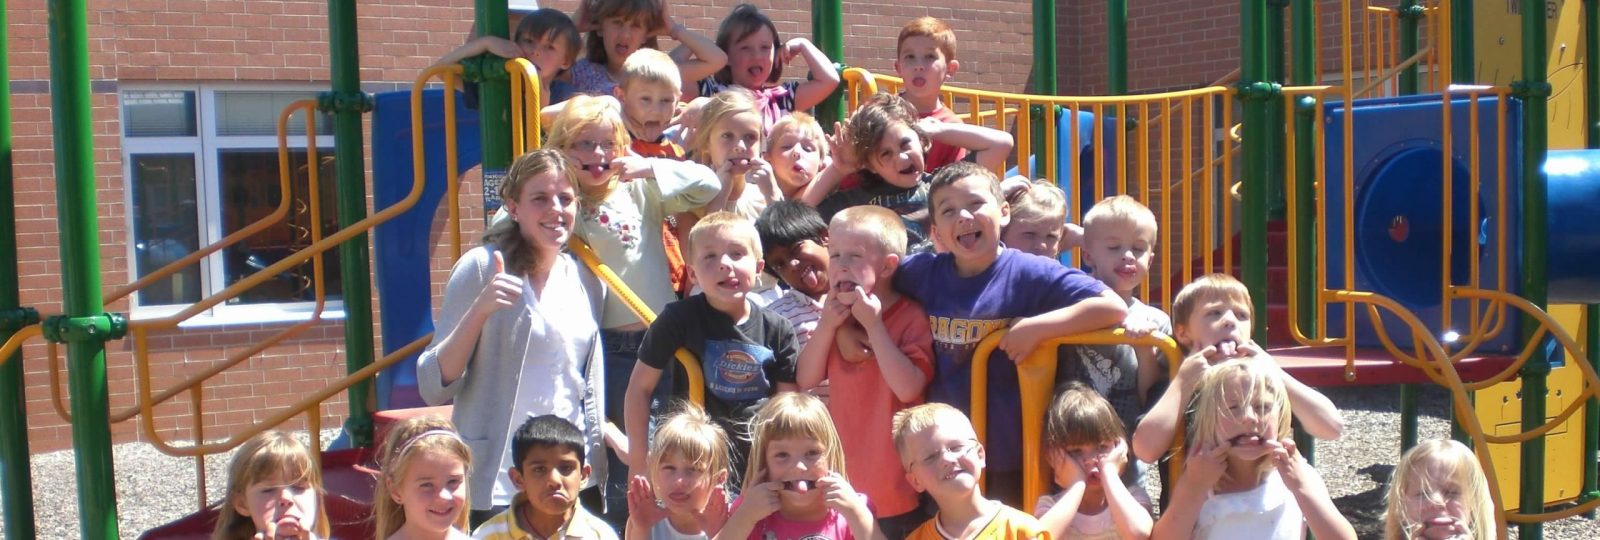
(776, 527)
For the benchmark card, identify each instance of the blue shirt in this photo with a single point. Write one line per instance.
(963, 310)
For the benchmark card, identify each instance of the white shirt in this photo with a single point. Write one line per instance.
(1267, 512)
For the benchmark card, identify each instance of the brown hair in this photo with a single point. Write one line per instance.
(408, 439)
(548, 23)
(932, 28)
(267, 456)
(958, 171)
(645, 12)
(871, 122)
(1206, 288)
(506, 235)
(744, 20)
(1080, 416)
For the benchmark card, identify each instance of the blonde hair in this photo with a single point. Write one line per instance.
(1210, 402)
(506, 235)
(1117, 209)
(583, 112)
(1080, 416)
(691, 434)
(650, 66)
(267, 456)
(916, 419)
(1042, 201)
(792, 415)
(725, 104)
(1207, 288)
(1459, 464)
(882, 225)
(725, 223)
(932, 28)
(803, 125)
(410, 438)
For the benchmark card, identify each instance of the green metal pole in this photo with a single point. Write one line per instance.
(1275, 116)
(1044, 77)
(16, 478)
(1257, 93)
(1463, 65)
(1410, 14)
(494, 103)
(1304, 73)
(1591, 118)
(1535, 92)
(1116, 47)
(827, 30)
(354, 262)
(80, 270)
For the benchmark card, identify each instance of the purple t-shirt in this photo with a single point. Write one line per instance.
(776, 527)
(962, 311)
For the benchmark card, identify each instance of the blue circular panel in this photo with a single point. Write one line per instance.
(1398, 215)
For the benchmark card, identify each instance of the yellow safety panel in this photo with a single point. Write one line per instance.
(1500, 410)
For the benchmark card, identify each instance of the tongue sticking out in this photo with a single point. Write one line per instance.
(969, 240)
(809, 279)
(798, 486)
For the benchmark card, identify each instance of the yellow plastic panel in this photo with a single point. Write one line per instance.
(1498, 51)
(1500, 409)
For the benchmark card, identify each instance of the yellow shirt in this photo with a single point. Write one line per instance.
(1006, 524)
(584, 526)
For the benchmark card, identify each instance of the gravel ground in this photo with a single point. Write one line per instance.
(153, 489)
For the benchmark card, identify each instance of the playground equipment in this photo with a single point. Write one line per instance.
(1175, 151)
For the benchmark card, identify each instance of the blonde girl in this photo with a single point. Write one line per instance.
(1243, 477)
(622, 202)
(683, 495)
(274, 491)
(617, 28)
(1038, 220)
(1437, 492)
(797, 149)
(795, 485)
(729, 141)
(1088, 451)
(756, 58)
(422, 490)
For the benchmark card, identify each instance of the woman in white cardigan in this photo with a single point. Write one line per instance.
(517, 335)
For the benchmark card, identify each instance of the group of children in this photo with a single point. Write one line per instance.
(829, 287)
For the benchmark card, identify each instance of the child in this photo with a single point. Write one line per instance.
(548, 472)
(796, 486)
(1244, 478)
(617, 28)
(1212, 317)
(865, 246)
(422, 491)
(1038, 218)
(1088, 450)
(755, 63)
(979, 287)
(746, 352)
(546, 37)
(1120, 238)
(623, 201)
(649, 96)
(942, 457)
(1439, 491)
(688, 469)
(795, 241)
(798, 150)
(274, 491)
(925, 57)
(886, 144)
(729, 141)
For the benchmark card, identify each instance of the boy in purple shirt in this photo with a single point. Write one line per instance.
(980, 286)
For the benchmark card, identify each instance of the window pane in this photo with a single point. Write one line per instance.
(256, 113)
(250, 191)
(165, 226)
(158, 113)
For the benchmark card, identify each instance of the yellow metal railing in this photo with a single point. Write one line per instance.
(1171, 159)
(1036, 377)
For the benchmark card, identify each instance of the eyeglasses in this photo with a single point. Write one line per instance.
(958, 451)
(589, 146)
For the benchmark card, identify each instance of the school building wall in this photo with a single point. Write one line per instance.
(270, 43)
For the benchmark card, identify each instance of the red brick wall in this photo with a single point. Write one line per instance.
(140, 41)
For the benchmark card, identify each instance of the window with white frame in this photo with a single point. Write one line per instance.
(200, 163)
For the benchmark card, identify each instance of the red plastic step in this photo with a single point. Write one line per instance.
(350, 474)
(381, 420)
(1325, 366)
